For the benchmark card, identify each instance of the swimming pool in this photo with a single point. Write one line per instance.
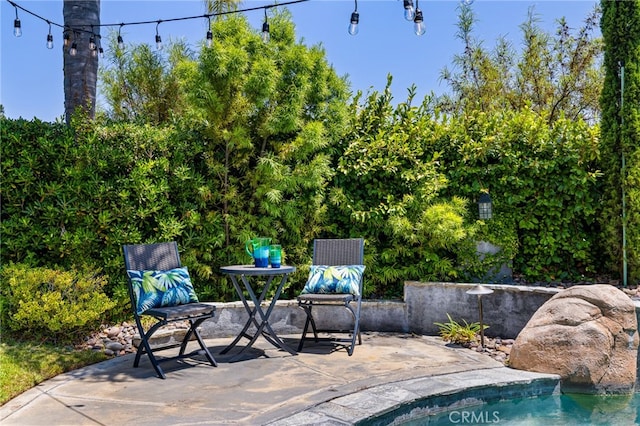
(565, 410)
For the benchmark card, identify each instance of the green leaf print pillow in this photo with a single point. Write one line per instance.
(155, 289)
(334, 279)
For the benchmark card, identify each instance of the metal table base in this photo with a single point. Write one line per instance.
(257, 315)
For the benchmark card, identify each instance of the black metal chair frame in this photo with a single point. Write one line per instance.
(334, 252)
(164, 256)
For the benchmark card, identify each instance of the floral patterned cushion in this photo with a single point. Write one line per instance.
(334, 279)
(155, 289)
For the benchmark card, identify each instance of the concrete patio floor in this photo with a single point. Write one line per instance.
(266, 387)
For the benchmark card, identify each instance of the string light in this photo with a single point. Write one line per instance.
(49, 37)
(418, 22)
(74, 46)
(158, 38)
(265, 29)
(409, 12)
(355, 19)
(92, 40)
(120, 39)
(17, 27)
(209, 34)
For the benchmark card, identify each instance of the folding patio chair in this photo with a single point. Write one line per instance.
(160, 287)
(335, 280)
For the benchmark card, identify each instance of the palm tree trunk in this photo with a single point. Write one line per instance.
(81, 19)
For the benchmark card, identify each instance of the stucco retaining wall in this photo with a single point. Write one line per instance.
(506, 311)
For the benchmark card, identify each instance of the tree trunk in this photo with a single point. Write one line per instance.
(81, 19)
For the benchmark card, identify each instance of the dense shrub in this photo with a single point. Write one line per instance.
(50, 304)
(544, 181)
(620, 142)
(387, 188)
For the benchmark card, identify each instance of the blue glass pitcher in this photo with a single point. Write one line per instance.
(258, 248)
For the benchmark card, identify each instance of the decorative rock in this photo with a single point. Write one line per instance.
(587, 335)
(113, 332)
(115, 346)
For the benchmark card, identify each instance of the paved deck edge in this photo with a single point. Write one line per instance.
(397, 402)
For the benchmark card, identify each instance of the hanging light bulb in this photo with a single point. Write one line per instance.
(101, 52)
(209, 34)
(120, 39)
(92, 43)
(17, 27)
(409, 11)
(418, 23)
(74, 46)
(158, 38)
(65, 39)
(266, 36)
(49, 37)
(355, 19)
(209, 38)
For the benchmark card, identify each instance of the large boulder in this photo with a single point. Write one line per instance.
(587, 335)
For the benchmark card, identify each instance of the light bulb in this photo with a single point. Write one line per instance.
(266, 36)
(120, 42)
(17, 28)
(409, 11)
(49, 41)
(353, 25)
(65, 39)
(209, 38)
(418, 23)
(101, 52)
(158, 38)
(74, 49)
(92, 43)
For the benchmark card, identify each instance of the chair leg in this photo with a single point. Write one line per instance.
(308, 311)
(194, 330)
(356, 327)
(145, 337)
(356, 333)
(306, 327)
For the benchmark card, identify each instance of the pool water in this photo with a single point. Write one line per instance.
(565, 410)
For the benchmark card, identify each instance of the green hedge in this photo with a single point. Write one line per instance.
(71, 198)
(545, 184)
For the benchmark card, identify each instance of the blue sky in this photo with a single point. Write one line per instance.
(31, 83)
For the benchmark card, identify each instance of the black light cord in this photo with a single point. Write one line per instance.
(155, 21)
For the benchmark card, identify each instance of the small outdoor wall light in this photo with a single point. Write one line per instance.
(485, 207)
(480, 291)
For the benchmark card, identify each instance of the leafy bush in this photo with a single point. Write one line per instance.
(51, 304)
(457, 333)
(545, 184)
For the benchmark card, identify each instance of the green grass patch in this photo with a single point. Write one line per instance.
(24, 364)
